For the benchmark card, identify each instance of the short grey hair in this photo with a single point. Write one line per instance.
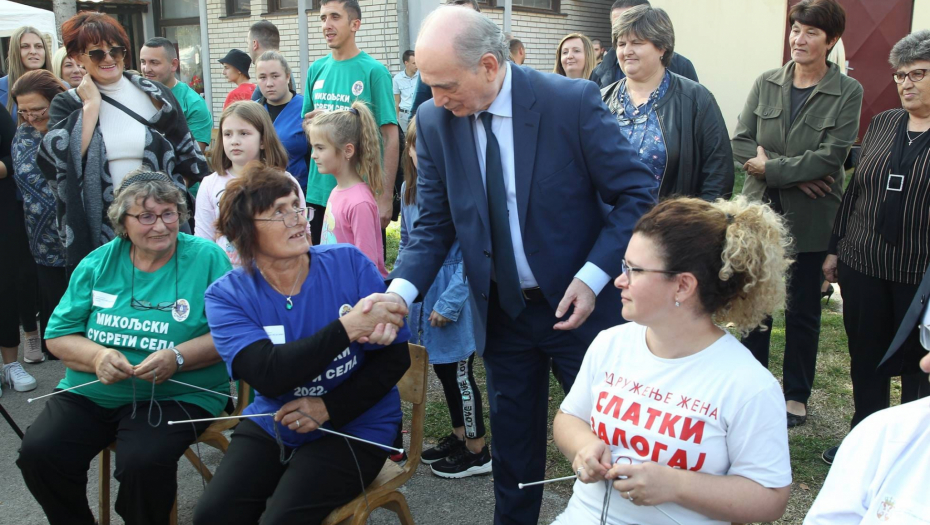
(477, 37)
(649, 23)
(910, 49)
(161, 189)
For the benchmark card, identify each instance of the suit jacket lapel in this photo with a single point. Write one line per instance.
(468, 154)
(525, 131)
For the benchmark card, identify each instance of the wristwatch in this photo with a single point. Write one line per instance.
(178, 357)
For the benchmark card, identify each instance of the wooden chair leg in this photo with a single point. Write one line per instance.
(195, 461)
(103, 488)
(397, 504)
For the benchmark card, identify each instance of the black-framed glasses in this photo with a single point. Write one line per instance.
(36, 113)
(164, 306)
(97, 55)
(148, 218)
(292, 218)
(916, 75)
(628, 270)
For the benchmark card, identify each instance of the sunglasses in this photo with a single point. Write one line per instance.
(97, 55)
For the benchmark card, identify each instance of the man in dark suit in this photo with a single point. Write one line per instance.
(608, 71)
(915, 326)
(515, 164)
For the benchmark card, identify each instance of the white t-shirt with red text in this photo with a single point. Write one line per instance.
(717, 412)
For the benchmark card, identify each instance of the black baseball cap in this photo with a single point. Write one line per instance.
(239, 60)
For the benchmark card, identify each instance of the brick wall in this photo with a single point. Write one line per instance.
(378, 36)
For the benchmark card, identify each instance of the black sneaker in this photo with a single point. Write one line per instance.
(444, 449)
(829, 454)
(462, 463)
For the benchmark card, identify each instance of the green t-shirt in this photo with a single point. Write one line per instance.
(195, 111)
(336, 84)
(97, 306)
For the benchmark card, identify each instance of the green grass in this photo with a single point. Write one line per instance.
(830, 406)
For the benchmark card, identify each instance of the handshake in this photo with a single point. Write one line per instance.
(375, 319)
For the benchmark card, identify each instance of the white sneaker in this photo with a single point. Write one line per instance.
(14, 376)
(32, 349)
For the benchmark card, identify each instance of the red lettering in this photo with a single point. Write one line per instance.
(679, 460)
(640, 445)
(609, 379)
(636, 387)
(668, 425)
(620, 436)
(632, 414)
(667, 397)
(696, 430)
(602, 433)
(592, 424)
(700, 462)
(653, 414)
(694, 406)
(656, 394)
(600, 397)
(658, 447)
(705, 408)
(613, 406)
(684, 402)
(714, 414)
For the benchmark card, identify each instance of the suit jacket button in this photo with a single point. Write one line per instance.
(487, 253)
(484, 296)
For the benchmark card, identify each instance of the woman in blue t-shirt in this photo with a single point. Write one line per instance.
(285, 323)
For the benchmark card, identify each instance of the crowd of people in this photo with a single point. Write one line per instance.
(579, 223)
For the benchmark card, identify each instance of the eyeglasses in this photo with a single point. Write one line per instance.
(292, 218)
(148, 218)
(164, 306)
(36, 113)
(629, 270)
(916, 75)
(97, 55)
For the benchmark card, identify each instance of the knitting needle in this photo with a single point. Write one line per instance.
(30, 400)
(521, 485)
(201, 388)
(328, 431)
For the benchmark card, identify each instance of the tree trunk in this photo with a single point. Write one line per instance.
(63, 9)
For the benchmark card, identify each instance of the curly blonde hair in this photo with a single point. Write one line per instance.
(737, 250)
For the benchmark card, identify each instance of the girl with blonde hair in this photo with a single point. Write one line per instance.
(347, 145)
(574, 58)
(67, 69)
(27, 53)
(246, 134)
(670, 410)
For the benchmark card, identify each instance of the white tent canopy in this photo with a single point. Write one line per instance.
(13, 16)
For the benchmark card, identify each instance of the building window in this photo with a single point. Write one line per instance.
(179, 22)
(546, 5)
(237, 7)
(284, 5)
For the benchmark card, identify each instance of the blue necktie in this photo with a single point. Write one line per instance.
(509, 292)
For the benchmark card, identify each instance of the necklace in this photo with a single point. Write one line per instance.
(288, 303)
(911, 140)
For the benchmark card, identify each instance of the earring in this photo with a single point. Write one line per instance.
(677, 304)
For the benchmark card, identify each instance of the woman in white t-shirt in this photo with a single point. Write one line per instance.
(670, 414)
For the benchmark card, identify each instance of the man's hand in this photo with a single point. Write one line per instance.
(582, 298)
(111, 366)
(829, 268)
(817, 188)
(382, 331)
(386, 206)
(375, 323)
(756, 165)
(314, 407)
(158, 366)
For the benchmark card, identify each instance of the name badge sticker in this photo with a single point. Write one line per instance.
(318, 84)
(276, 334)
(103, 300)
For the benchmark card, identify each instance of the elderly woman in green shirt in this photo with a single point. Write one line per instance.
(792, 138)
(132, 331)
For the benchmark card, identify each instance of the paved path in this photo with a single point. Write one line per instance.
(432, 500)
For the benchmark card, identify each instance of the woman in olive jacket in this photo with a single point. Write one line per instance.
(792, 137)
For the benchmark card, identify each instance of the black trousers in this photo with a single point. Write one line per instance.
(71, 430)
(316, 225)
(462, 396)
(802, 327)
(53, 282)
(517, 357)
(18, 280)
(321, 476)
(872, 312)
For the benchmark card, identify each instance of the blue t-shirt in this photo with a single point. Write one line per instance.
(243, 308)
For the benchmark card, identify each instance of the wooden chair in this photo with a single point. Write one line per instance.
(212, 436)
(383, 490)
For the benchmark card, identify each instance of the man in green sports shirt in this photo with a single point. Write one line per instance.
(334, 82)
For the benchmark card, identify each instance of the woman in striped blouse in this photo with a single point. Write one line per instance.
(881, 237)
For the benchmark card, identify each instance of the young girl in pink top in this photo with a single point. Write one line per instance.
(347, 145)
(246, 134)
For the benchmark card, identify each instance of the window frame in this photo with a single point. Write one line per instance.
(231, 9)
(555, 9)
(273, 7)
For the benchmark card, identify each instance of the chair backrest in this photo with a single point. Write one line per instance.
(413, 390)
(244, 393)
